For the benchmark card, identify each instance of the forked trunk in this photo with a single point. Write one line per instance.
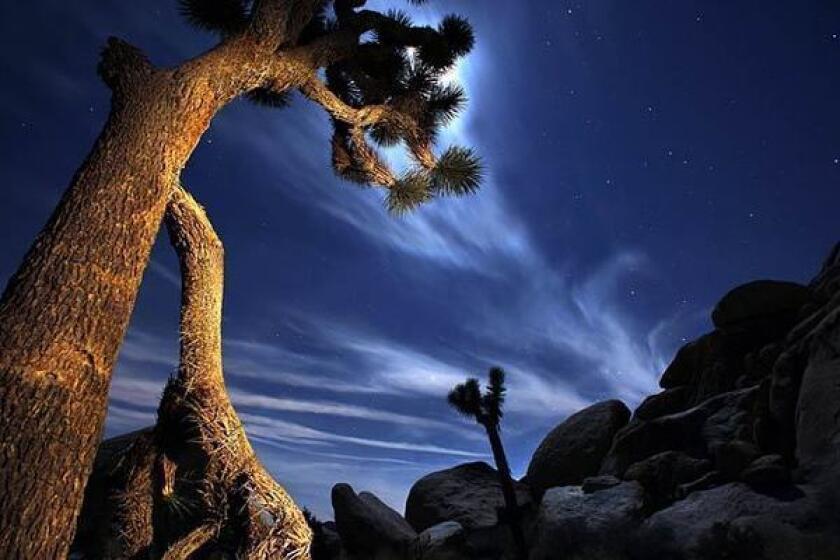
(508, 490)
(193, 482)
(65, 311)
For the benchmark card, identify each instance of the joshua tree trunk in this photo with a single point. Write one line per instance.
(64, 313)
(192, 482)
(508, 490)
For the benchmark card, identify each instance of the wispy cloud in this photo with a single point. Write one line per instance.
(270, 428)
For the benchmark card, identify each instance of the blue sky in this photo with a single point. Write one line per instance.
(642, 159)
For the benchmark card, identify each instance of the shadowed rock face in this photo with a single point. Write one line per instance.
(574, 449)
(761, 303)
(469, 494)
(571, 524)
(366, 524)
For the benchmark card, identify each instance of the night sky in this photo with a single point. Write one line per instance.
(643, 158)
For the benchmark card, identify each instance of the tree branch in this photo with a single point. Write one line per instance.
(123, 65)
(278, 22)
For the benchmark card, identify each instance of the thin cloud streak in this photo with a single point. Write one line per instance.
(273, 429)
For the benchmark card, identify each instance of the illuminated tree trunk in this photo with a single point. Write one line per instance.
(64, 313)
(194, 480)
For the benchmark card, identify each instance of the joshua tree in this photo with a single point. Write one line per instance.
(192, 482)
(486, 410)
(64, 313)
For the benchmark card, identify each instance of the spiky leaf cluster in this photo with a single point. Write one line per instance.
(485, 408)
(393, 63)
(222, 16)
(403, 66)
(409, 192)
(458, 172)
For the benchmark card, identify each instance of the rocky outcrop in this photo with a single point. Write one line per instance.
(574, 449)
(368, 526)
(695, 432)
(469, 494)
(738, 457)
(734, 521)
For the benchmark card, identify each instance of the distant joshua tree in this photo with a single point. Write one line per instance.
(486, 410)
(65, 311)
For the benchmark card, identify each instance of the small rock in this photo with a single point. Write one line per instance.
(595, 483)
(732, 457)
(708, 480)
(768, 470)
(444, 541)
(668, 401)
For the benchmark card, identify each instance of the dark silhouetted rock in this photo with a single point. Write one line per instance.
(661, 474)
(574, 449)
(694, 431)
(733, 521)
(706, 367)
(367, 525)
(732, 457)
(708, 480)
(818, 411)
(827, 282)
(469, 494)
(766, 471)
(668, 401)
(596, 483)
(768, 302)
(571, 524)
(691, 361)
(444, 541)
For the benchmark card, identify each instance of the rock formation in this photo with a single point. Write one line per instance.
(738, 457)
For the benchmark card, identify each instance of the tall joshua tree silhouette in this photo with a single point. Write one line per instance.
(486, 410)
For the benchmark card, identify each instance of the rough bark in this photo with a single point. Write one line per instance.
(64, 313)
(193, 481)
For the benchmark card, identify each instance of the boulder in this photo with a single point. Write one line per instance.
(575, 448)
(574, 525)
(663, 473)
(668, 401)
(366, 525)
(469, 494)
(733, 521)
(766, 471)
(706, 367)
(444, 541)
(692, 360)
(766, 301)
(732, 457)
